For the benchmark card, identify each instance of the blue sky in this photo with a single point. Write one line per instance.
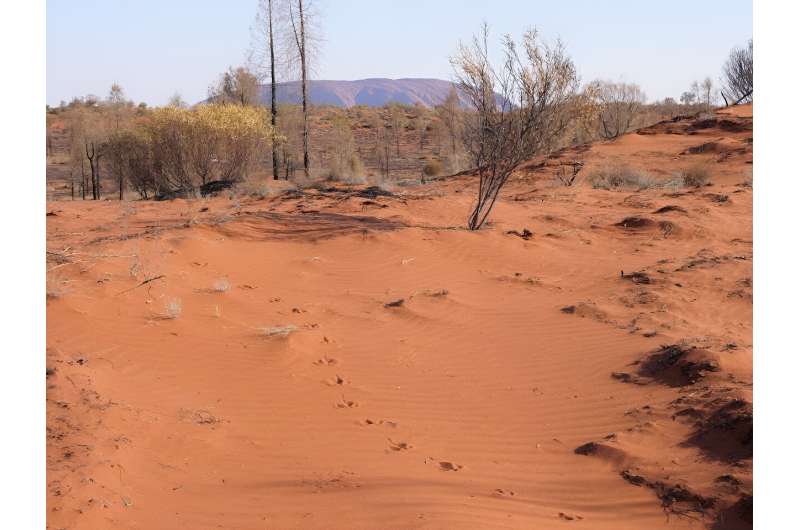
(155, 48)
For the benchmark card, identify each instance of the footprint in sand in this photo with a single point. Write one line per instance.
(399, 446)
(449, 466)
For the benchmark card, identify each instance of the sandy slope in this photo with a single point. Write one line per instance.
(461, 407)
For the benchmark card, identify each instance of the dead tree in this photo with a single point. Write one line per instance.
(299, 33)
(83, 180)
(262, 60)
(93, 162)
(618, 104)
(738, 75)
(517, 111)
(273, 90)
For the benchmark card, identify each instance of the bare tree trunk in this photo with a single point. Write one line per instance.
(305, 89)
(97, 176)
(83, 180)
(121, 180)
(749, 93)
(273, 88)
(92, 158)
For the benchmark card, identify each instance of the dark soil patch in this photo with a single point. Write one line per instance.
(636, 277)
(636, 223)
(717, 197)
(727, 433)
(670, 208)
(216, 186)
(738, 515)
(677, 366)
(675, 498)
(372, 192)
(708, 147)
(525, 234)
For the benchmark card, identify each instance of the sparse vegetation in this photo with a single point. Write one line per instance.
(695, 176)
(521, 109)
(221, 285)
(54, 286)
(738, 75)
(566, 176)
(620, 176)
(618, 104)
(172, 308)
(279, 331)
(432, 168)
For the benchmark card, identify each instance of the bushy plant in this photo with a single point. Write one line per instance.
(619, 176)
(432, 168)
(695, 176)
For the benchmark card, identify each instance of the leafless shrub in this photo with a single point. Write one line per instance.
(738, 75)
(618, 104)
(518, 110)
(567, 176)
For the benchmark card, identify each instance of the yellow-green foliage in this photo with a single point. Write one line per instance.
(206, 143)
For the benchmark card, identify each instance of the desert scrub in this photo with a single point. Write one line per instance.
(695, 176)
(433, 168)
(619, 176)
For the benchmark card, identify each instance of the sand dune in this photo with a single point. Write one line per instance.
(324, 359)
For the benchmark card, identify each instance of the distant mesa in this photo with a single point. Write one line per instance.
(367, 92)
(376, 92)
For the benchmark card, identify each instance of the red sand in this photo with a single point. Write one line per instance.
(461, 407)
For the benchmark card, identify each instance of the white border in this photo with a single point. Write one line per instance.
(22, 392)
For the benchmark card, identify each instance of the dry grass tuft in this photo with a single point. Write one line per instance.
(695, 176)
(221, 285)
(279, 331)
(173, 308)
(620, 176)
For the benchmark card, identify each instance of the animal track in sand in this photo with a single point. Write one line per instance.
(326, 361)
(499, 492)
(399, 446)
(392, 424)
(336, 381)
(449, 466)
(346, 404)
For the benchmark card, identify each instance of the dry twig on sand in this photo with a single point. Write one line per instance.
(145, 282)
